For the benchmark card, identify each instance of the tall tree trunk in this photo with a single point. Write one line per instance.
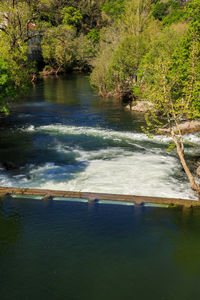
(194, 186)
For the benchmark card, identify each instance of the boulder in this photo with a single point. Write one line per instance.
(140, 106)
(185, 128)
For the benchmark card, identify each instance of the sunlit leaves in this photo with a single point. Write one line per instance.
(71, 16)
(15, 70)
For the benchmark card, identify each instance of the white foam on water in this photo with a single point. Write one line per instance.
(89, 131)
(30, 128)
(118, 170)
(5, 180)
(107, 133)
(147, 175)
(138, 175)
(107, 154)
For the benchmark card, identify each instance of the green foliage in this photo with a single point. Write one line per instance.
(137, 16)
(14, 78)
(122, 70)
(174, 16)
(168, 12)
(14, 22)
(136, 91)
(171, 146)
(93, 35)
(157, 79)
(84, 53)
(71, 16)
(112, 37)
(63, 51)
(7, 88)
(58, 48)
(114, 9)
(15, 70)
(170, 76)
(123, 45)
(192, 12)
(160, 10)
(63, 25)
(108, 43)
(187, 59)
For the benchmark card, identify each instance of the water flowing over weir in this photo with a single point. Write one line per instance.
(63, 137)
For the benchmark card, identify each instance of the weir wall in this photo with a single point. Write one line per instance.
(92, 197)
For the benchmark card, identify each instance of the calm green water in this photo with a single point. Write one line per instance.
(65, 250)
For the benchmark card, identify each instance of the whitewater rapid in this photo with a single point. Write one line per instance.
(126, 163)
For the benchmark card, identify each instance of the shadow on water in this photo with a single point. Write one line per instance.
(66, 250)
(10, 228)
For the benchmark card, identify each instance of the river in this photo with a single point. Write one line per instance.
(61, 250)
(63, 136)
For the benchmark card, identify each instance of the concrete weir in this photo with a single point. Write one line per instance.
(92, 197)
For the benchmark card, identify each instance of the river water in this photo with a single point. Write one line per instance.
(64, 250)
(63, 136)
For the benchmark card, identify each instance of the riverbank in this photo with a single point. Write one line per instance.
(186, 127)
(139, 106)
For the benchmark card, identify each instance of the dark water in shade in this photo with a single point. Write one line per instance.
(64, 250)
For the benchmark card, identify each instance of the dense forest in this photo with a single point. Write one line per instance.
(125, 44)
(133, 49)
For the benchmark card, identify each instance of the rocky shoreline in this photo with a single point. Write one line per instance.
(139, 106)
(185, 128)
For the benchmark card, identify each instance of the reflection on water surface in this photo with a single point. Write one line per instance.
(65, 250)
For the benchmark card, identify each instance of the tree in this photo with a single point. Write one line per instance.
(137, 15)
(160, 10)
(6, 85)
(171, 81)
(109, 39)
(15, 24)
(71, 16)
(121, 74)
(58, 48)
(124, 43)
(85, 50)
(113, 9)
(15, 32)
